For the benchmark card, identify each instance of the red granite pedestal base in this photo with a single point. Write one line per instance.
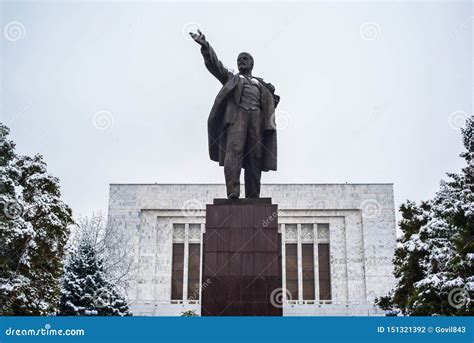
(241, 259)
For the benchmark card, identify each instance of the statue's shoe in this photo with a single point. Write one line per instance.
(233, 196)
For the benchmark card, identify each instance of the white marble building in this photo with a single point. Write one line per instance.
(356, 220)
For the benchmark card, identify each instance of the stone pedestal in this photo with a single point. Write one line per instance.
(241, 259)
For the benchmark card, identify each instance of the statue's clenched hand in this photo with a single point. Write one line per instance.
(271, 87)
(198, 37)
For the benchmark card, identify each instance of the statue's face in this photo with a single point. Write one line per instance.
(245, 62)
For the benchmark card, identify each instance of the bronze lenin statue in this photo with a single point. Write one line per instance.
(241, 125)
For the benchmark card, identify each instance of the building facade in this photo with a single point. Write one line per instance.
(338, 242)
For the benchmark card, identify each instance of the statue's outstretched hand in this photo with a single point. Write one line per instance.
(198, 37)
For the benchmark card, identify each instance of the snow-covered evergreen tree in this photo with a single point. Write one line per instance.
(434, 262)
(33, 233)
(85, 288)
(110, 244)
(407, 257)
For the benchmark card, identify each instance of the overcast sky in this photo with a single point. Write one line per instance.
(116, 92)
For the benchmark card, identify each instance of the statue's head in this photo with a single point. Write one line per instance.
(245, 62)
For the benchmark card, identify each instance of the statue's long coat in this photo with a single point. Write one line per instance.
(224, 112)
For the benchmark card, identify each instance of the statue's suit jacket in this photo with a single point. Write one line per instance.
(224, 112)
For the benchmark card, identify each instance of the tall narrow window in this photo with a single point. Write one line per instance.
(324, 272)
(308, 271)
(194, 271)
(178, 269)
(292, 270)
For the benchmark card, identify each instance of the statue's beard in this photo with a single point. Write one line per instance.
(245, 69)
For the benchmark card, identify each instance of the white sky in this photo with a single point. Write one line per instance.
(352, 109)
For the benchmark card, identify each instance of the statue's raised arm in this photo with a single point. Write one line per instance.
(211, 61)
